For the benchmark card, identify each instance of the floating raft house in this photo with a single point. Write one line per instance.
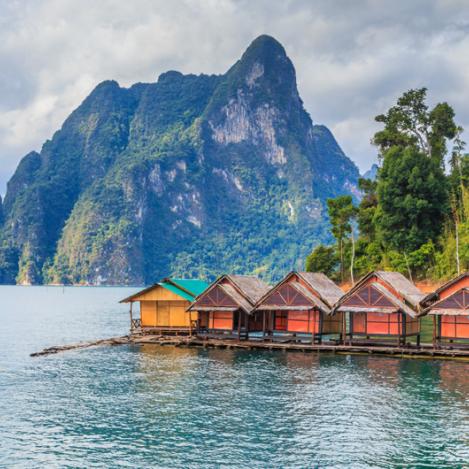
(163, 306)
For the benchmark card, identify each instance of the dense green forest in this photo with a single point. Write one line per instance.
(414, 218)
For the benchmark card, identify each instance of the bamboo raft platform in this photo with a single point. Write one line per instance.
(425, 351)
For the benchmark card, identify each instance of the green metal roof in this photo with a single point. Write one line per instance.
(186, 288)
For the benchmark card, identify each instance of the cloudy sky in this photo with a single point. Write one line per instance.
(353, 58)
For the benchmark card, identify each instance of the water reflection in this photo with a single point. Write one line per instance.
(454, 377)
(178, 407)
(264, 408)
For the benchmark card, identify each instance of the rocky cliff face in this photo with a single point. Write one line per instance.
(191, 175)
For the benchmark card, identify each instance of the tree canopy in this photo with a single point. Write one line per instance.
(414, 217)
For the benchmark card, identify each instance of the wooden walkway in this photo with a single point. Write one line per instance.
(424, 351)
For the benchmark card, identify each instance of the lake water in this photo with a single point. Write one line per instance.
(149, 406)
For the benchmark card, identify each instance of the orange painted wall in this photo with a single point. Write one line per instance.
(303, 321)
(281, 320)
(376, 323)
(221, 320)
(463, 283)
(456, 327)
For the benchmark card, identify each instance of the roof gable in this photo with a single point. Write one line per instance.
(458, 300)
(287, 295)
(369, 296)
(244, 290)
(457, 303)
(393, 286)
(462, 279)
(317, 289)
(217, 297)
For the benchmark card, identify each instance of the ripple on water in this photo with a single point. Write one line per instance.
(170, 407)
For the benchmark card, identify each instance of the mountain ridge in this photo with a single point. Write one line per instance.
(191, 175)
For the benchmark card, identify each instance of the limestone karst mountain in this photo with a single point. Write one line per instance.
(191, 175)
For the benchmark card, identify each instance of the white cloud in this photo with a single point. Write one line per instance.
(352, 58)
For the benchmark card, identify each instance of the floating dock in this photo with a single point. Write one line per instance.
(424, 351)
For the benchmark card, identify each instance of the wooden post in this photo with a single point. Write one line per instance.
(404, 327)
(344, 328)
(263, 325)
(434, 331)
(321, 324)
(313, 336)
(239, 324)
(130, 313)
(190, 323)
(272, 324)
(350, 322)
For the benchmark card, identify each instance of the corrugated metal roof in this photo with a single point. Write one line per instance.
(192, 285)
(185, 288)
(177, 291)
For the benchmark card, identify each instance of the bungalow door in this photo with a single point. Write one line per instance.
(281, 320)
(162, 314)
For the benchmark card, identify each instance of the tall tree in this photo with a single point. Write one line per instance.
(413, 193)
(322, 259)
(341, 214)
(410, 123)
(412, 200)
(367, 209)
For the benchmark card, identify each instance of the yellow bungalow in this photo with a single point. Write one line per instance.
(163, 306)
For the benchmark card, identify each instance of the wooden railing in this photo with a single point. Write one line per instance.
(135, 324)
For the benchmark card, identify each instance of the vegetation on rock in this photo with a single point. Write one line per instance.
(189, 176)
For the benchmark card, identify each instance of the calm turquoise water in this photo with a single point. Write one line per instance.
(165, 407)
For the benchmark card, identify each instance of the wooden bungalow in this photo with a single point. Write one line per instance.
(300, 304)
(382, 305)
(449, 306)
(163, 306)
(226, 307)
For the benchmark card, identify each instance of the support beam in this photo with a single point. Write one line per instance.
(351, 327)
(263, 325)
(313, 335)
(190, 323)
(404, 328)
(344, 327)
(434, 331)
(130, 313)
